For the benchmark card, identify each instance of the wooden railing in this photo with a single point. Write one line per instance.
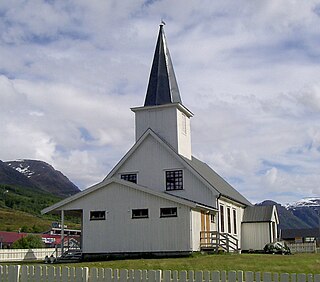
(40, 273)
(216, 241)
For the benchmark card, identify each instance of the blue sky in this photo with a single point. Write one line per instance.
(249, 70)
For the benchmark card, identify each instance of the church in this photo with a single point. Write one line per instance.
(159, 198)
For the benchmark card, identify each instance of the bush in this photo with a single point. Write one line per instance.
(28, 242)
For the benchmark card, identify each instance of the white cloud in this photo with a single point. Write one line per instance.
(70, 71)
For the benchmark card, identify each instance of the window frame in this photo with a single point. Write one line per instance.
(229, 220)
(95, 218)
(176, 181)
(128, 175)
(174, 214)
(222, 218)
(235, 229)
(136, 216)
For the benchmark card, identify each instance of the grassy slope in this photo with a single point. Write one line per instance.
(20, 207)
(12, 220)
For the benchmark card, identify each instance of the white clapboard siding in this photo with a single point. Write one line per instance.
(24, 273)
(152, 173)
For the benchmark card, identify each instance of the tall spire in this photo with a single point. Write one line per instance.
(162, 87)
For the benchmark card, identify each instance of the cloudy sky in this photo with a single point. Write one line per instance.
(248, 70)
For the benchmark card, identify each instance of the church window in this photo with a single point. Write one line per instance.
(229, 219)
(168, 212)
(222, 218)
(234, 221)
(140, 213)
(132, 177)
(174, 180)
(97, 215)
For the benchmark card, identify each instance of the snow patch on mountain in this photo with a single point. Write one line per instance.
(23, 168)
(306, 202)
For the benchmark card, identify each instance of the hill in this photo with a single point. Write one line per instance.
(20, 209)
(297, 215)
(37, 175)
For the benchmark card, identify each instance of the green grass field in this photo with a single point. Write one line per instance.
(298, 263)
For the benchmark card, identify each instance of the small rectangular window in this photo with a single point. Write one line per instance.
(174, 180)
(212, 218)
(140, 213)
(97, 215)
(168, 212)
(132, 177)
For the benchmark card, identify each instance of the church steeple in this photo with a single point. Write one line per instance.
(163, 111)
(162, 88)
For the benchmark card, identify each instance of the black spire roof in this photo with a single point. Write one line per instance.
(162, 87)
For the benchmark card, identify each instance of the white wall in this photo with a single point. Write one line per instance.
(168, 122)
(255, 235)
(151, 159)
(239, 215)
(120, 233)
(196, 228)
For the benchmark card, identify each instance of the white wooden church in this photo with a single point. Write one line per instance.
(159, 198)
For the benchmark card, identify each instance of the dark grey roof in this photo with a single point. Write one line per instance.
(305, 232)
(162, 87)
(216, 181)
(258, 214)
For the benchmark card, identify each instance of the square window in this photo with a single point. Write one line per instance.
(174, 180)
(140, 213)
(132, 177)
(168, 212)
(97, 215)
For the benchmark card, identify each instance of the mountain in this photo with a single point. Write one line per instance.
(38, 175)
(301, 214)
(12, 177)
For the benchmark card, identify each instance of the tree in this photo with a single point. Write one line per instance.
(28, 242)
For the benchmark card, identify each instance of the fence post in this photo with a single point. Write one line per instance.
(108, 275)
(215, 276)
(94, 274)
(316, 278)
(223, 276)
(232, 276)
(267, 277)
(183, 276)
(190, 276)
(284, 277)
(137, 276)
(65, 273)
(249, 276)
(310, 277)
(198, 277)
(14, 273)
(23, 273)
(123, 277)
(206, 276)
(301, 277)
(166, 276)
(240, 276)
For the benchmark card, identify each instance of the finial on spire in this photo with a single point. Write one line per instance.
(162, 22)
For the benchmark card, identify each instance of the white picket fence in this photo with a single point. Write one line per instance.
(303, 247)
(8, 255)
(40, 273)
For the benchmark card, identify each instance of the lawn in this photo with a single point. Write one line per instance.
(298, 263)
